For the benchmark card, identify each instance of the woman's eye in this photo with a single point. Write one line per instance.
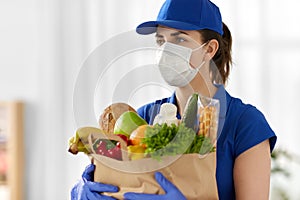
(180, 40)
(160, 42)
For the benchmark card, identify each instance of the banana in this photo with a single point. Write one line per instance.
(79, 142)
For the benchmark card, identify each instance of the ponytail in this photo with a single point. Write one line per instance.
(226, 51)
(221, 63)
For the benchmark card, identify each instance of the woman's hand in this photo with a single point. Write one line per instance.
(86, 189)
(171, 191)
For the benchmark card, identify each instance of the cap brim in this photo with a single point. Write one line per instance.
(151, 26)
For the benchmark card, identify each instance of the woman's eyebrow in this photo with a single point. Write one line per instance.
(178, 33)
(172, 34)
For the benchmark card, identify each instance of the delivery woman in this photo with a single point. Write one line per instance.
(194, 30)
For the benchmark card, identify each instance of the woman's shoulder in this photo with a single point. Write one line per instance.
(244, 113)
(238, 109)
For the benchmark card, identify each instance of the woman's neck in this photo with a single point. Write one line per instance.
(200, 85)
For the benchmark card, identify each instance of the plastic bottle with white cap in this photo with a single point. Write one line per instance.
(167, 114)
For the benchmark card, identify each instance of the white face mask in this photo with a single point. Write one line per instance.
(174, 64)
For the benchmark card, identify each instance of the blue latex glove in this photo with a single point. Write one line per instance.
(171, 191)
(86, 189)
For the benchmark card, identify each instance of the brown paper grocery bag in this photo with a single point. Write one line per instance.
(193, 175)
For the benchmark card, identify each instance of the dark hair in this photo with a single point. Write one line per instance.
(222, 60)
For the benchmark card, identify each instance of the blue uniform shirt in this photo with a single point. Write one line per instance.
(241, 126)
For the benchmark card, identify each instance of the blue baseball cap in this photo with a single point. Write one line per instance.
(185, 15)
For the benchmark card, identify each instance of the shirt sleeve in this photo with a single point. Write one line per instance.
(253, 129)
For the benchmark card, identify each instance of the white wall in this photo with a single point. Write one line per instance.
(44, 43)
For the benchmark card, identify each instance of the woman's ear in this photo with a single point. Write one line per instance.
(211, 48)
